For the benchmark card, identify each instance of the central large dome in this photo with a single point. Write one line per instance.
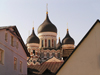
(47, 26)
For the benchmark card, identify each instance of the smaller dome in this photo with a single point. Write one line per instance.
(59, 44)
(33, 38)
(68, 39)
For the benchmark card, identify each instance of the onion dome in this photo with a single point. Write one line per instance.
(47, 26)
(33, 38)
(68, 39)
(59, 44)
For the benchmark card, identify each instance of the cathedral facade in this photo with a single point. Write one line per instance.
(44, 46)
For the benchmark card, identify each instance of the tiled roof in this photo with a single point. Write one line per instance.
(54, 60)
(52, 66)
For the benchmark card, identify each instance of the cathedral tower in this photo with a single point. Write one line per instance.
(67, 45)
(47, 33)
(33, 47)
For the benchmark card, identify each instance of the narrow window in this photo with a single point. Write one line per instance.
(1, 56)
(52, 43)
(45, 42)
(20, 66)
(12, 39)
(6, 35)
(42, 55)
(34, 52)
(58, 55)
(15, 63)
(53, 54)
(17, 45)
(48, 43)
(47, 55)
(42, 43)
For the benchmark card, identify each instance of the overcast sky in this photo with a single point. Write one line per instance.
(79, 14)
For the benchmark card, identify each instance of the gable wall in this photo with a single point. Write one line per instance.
(9, 53)
(86, 59)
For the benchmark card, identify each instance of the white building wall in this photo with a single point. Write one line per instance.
(9, 53)
(86, 59)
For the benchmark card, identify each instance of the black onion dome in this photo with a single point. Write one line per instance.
(67, 39)
(33, 38)
(59, 44)
(47, 26)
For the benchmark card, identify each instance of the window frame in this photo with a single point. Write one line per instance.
(17, 44)
(15, 66)
(2, 56)
(12, 41)
(6, 36)
(49, 43)
(21, 67)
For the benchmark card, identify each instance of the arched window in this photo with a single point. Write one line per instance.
(34, 52)
(58, 55)
(42, 43)
(48, 43)
(45, 42)
(52, 43)
(47, 55)
(53, 54)
(42, 55)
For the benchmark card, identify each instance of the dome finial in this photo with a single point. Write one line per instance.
(33, 24)
(47, 8)
(67, 26)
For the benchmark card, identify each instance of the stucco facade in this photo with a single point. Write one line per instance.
(85, 60)
(11, 52)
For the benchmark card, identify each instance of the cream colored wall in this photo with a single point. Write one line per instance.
(86, 59)
(48, 36)
(9, 53)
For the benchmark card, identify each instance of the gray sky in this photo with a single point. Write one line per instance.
(79, 14)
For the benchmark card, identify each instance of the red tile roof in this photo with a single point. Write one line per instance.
(52, 66)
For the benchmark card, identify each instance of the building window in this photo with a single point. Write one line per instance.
(34, 52)
(1, 56)
(20, 66)
(6, 36)
(58, 55)
(48, 43)
(15, 63)
(52, 43)
(53, 54)
(42, 55)
(12, 41)
(45, 42)
(47, 55)
(42, 43)
(17, 45)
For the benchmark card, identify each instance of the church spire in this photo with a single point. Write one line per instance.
(67, 29)
(67, 26)
(33, 25)
(47, 8)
